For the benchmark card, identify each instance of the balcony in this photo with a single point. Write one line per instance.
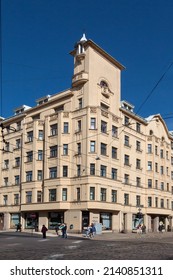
(79, 79)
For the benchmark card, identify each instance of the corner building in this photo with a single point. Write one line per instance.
(83, 156)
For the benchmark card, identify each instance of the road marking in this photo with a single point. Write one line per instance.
(10, 237)
(54, 257)
(42, 240)
(13, 244)
(71, 247)
(79, 241)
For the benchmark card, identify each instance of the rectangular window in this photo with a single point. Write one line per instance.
(149, 148)
(80, 103)
(78, 170)
(53, 151)
(114, 152)
(114, 174)
(103, 171)
(53, 129)
(39, 196)
(65, 149)
(103, 194)
(18, 143)
(92, 193)
(92, 168)
(138, 200)
(29, 156)
(29, 197)
(79, 126)
(30, 136)
(103, 149)
(39, 175)
(52, 195)
(17, 179)
(162, 186)
(16, 199)
(17, 161)
(138, 163)
(92, 146)
(126, 199)
(6, 164)
(138, 127)
(65, 171)
(114, 131)
(78, 194)
(40, 135)
(161, 153)
(40, 154)
(149, 183)
(156, 202)
(138, 181)
(126, 121)
(53, 172)
(5, 199)
(64, 194)
(138, 146)
(28, 176)
(149, 166)
(5, 181)
(126, 140)
(79, 148)
(149, 201)
(156, 184)
(156, 150)
(103, 127)
(161, 170)
(126, 179)
(126, 160)
(156, 167)
(162, 203)
(114, 196)
(93, 123)
(66, 127)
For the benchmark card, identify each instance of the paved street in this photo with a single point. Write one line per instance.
(110, 246)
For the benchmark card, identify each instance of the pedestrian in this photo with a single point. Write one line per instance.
(57, 229)
(93, 230)
(139, 229)
(143, 228)
(64, 231)
(160, 228)
(43, 230)
(19, 227)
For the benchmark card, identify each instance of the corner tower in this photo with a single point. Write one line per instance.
(97, 75)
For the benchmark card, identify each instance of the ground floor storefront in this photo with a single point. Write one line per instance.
(78, 220)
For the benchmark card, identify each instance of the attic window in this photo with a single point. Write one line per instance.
(59, 108)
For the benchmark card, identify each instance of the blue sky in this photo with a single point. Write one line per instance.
(37, 36)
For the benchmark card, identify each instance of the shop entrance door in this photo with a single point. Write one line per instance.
(85, 219)
(1, 221)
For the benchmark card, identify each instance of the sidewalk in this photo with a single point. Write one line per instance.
(105, 235)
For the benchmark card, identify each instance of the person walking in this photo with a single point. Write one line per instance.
(93, 229)
(19, 226)
(44, 230)
(64, 231)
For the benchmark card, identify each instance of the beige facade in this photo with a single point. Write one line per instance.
(83, 156)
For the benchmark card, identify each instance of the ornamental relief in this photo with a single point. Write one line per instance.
(93, 110)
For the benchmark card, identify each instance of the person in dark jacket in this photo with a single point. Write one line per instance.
(64, 231)
(43, 230)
